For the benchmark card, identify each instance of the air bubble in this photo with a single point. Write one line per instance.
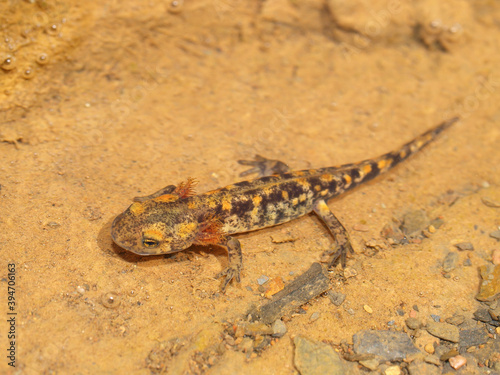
(42, 59)
(8, 63)
(434, 27)
(53, 29)
(110, 300)
(28, 73)
(176, 6)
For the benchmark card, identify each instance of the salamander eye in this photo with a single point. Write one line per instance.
(149, 242)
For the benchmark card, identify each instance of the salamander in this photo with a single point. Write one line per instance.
(174, 218)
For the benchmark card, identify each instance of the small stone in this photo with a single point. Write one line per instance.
(462, 246)
(388, 345)
(457, 362)
(314, 316)
(262, 280)
(368, 309)
(447, 355)
(433, 359)
(450, 262)
(392, 370)
(456, 320)
(336, 298)
(495, 234)
(490, 285)
(437, 223)
(414, 222)
(279, 328)
(350, 272)
(495, 257)
(413, 323)
(420, 367)
(361, 227)
(482, 315)
(432, 229)
(429, 348)
(80, 289)
(467, 262)
(316, 358)
(444, 331)
(490, 202)
(371, 364)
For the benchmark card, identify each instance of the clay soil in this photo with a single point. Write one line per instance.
(102, 101)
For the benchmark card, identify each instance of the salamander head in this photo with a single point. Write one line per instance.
(152, 228)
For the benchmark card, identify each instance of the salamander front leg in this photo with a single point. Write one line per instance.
(264, 167)
(235, 261)
(340, 236)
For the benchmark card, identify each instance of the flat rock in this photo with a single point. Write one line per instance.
(490, 286)
(420, 367)
(316, 358)
(473, 337)
(388, 345)
(444, 331)
(414, 222)
(450, 261)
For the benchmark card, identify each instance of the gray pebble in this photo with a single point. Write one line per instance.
(314, 358)
(262, 280)
(444, 331)
(467, 263)
(456, 320)
(462, 246)
(436, 223)
(337, 298)
(314, 317)
(413, 323)
(419, 367)
(495, 234)
(450, 261)
(473, 337)
(414, 222)
(388, 345)
(279, 328)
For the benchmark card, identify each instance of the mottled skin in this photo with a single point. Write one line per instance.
(174, 218)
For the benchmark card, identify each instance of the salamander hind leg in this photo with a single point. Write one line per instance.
(342, 243)
(264, 167)
(235, 260)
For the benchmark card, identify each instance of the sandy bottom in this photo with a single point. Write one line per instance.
(102, 101)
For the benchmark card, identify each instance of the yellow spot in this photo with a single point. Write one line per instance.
(402, 154)
(327, 177)
(137, 208)
(295, 201)
(312, 171)
(323, 208)
(303, 182)
(384, 163)
(367, 168)
(229, 187)
(298, 173)
(419, 143)
(347, 179)
(186, 229)
(302, 197)
(226, 205)
(324, 192)
(166, 198)
(256, 200)
(284, 194)
(212, 204)
(192, 205)
(153, 233)
(317, 188)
